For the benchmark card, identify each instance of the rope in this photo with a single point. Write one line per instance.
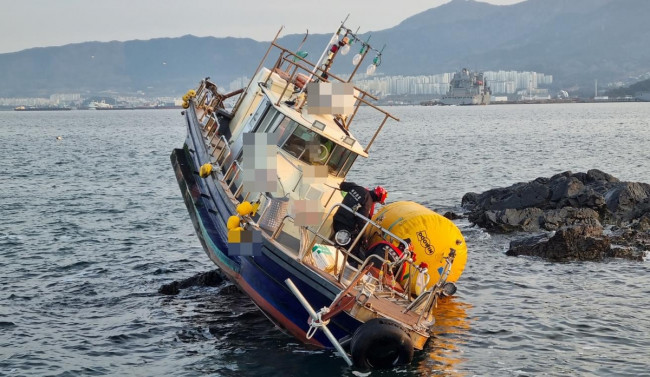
(318, 323)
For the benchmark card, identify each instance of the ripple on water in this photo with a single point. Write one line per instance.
(95, 225)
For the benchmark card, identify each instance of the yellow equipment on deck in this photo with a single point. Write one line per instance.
(432, 236)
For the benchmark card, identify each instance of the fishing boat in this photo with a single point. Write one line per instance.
(261, 181)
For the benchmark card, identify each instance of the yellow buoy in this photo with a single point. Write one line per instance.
(244, 208)
(205, 170)
(186, 105)
(234, 235)
(191, 93)
(233, 222)
(186, 97)
(432, 236)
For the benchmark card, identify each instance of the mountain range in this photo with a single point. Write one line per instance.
(576, 41)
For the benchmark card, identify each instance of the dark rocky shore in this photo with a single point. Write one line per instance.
(574, 216)
(209, 279)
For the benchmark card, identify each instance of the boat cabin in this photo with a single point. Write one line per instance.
(271, 147)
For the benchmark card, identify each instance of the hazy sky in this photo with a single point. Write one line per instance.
(39, 23)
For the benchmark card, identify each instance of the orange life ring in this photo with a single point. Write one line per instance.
(301, 80)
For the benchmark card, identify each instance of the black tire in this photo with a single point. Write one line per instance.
(381, 344)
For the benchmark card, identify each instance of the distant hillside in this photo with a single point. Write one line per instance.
(632, 90)
(576, 41)
(161, 66)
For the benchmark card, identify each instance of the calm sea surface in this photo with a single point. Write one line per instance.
(93, 224)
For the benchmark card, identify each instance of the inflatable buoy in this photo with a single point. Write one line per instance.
(432, 236)
(186, 104)
(244, 208)
(205, 170)
(381, 343)
(234, 235)
(186, 98)
(191, 93)
(233, 222)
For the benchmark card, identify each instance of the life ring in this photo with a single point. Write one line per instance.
(381, 343)
(300, 80)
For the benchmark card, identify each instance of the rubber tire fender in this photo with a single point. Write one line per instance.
(381, 343)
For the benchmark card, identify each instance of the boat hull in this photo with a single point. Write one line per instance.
(479, 99)
(261, 276)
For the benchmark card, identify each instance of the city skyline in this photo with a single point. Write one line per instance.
(510, 82)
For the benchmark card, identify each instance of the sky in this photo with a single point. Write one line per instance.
(40, 23)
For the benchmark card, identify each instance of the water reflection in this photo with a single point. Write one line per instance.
(443, 355)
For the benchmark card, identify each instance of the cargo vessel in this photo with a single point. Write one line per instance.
(467, 88)
(262, 182)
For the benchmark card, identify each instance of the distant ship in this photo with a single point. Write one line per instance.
(45, 108)
(94, 105)
(467, 88)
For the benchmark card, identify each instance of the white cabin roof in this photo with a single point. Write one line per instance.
(331, 131)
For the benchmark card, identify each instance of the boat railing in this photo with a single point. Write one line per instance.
(211, 126)
(222, 150)
(291, 65)
(427, 300)
(373, 284)
(406, 260)
(234, 172)
(277, 231)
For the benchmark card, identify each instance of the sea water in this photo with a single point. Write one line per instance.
(92, 223)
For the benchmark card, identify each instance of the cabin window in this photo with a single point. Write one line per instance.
(259, 113)
(315, 149)
(271, 120)
(284, 129)
(337, 158)
(347, 165)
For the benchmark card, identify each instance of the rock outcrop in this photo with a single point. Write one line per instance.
(594, 215)
(209, 279)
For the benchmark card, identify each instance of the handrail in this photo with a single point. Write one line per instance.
(279, 228)
(405, 258)
(406, 295)
(368, 221)
(297, 64)
(237, 170)
(318, 69)
(222, 155)
(430, 296)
